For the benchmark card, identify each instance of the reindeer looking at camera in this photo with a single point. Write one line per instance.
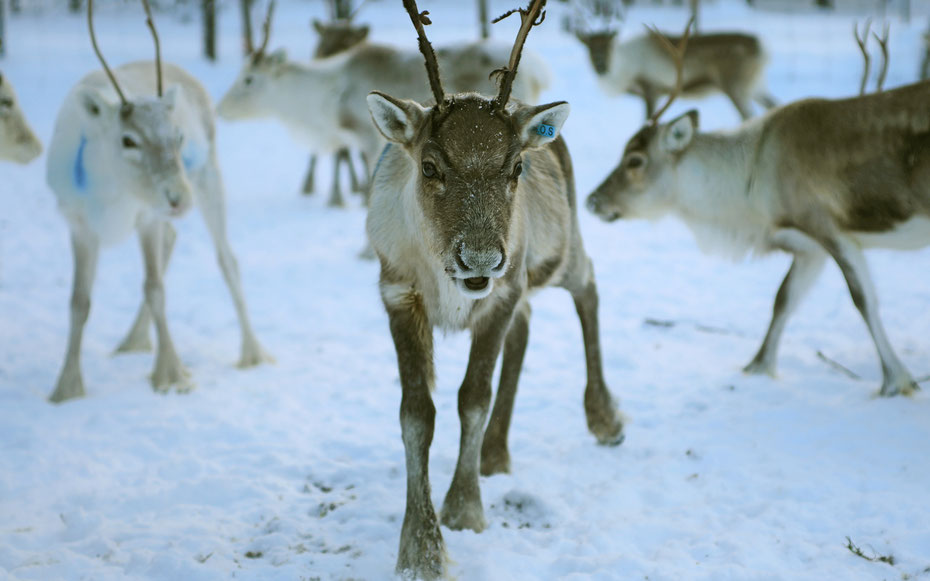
(816, 178)
(18, 142)
(133, 148)
(472, 209)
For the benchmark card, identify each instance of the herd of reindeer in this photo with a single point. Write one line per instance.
(471, 202)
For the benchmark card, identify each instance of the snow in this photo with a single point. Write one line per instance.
(296, 470)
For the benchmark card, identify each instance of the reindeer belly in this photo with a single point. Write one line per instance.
(908, 235)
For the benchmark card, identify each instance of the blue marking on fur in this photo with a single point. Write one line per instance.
(381, 158)
(80, 174)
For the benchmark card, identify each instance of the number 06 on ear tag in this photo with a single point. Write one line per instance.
(545, 130)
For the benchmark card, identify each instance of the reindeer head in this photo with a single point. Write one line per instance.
(466, 155)
(337, 36)
(250, 92)
(645, 183)
(18, 143)
(599, 48)
(132, 146)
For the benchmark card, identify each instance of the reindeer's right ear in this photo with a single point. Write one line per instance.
(679, 132)
(397, 119)
(94, 102)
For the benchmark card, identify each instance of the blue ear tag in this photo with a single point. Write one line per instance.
(545, 130)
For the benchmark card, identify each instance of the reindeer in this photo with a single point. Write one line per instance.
(729, 63)
(816, 178)
(133, 148)
(335, 37)
(472, 209)
(18, 143)
(323, 102)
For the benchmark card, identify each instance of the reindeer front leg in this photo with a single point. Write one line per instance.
(137, 339)
(169, 371)
(895, 377)
(86, 249)
(422, 552)
(495, 457)
(462, 507)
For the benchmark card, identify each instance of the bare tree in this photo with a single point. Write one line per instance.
(2, 28)
(483, 20)
(209, 29)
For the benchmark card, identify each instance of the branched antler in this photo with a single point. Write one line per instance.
(419, 19)
(151, 25)
(883, 44)
(266, 34)
(861, 41)
(126, 107)
(532, 15)
(678, 55)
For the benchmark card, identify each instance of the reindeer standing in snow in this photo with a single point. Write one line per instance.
(18, 143)
(127, 155)
(323, 102)
(817, 178)
(472, 209)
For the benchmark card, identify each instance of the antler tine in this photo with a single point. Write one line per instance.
(861, 41)
(151, 25)
(126, 105)
(678, 55)
(532, 15)
(432, 65)
(266, 30)
(883, 43)
(246, 8)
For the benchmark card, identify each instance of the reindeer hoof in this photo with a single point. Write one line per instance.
(604, 419)
(494, 460)
(134, 344)
(422, 553)
(168, 376)
(70, 386)
(252, 355)
(759, 367)
(906, 386)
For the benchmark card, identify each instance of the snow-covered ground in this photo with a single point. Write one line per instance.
(296, 470)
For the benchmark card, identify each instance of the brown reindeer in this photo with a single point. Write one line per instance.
(472, 208)
(817, 178)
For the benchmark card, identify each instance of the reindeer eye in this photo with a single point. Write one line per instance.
(429, 169)
(6, 103)
(517, 170)
(129, 142)
(248, 80)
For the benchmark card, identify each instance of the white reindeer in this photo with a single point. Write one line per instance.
(125, 156)
(817, 178)
(323, 104)
(18, 142)
(728, 63)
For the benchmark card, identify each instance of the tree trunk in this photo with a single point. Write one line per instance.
(209, 29)
(483, 20)
(245, 10)
(75, 5)
(342, 9)
(16, 6)
(2, 27)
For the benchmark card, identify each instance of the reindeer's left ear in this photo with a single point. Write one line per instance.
(541, 124)
(397, 119)
(677, 135)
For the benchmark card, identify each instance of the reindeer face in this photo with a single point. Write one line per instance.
(17, 141)
(645, 183)
(139, 150)
(599, 45)
(253, 89)
(468, 164)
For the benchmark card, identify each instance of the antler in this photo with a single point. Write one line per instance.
(532, 15)
(678, 55)
(883, 43)
(861, 41)
(432, 65)
(266, 33)
(151, 24)
(126, 107)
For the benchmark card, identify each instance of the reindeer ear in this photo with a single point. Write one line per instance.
(677, 134)
(397, 119)
(541, 124)
(94, 102)
(318, 26)
(363, 33)
(277, 58)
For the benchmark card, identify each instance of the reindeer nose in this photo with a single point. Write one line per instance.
(474, 261)
(592, 203)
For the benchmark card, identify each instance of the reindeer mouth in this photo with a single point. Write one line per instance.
(476, 283)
